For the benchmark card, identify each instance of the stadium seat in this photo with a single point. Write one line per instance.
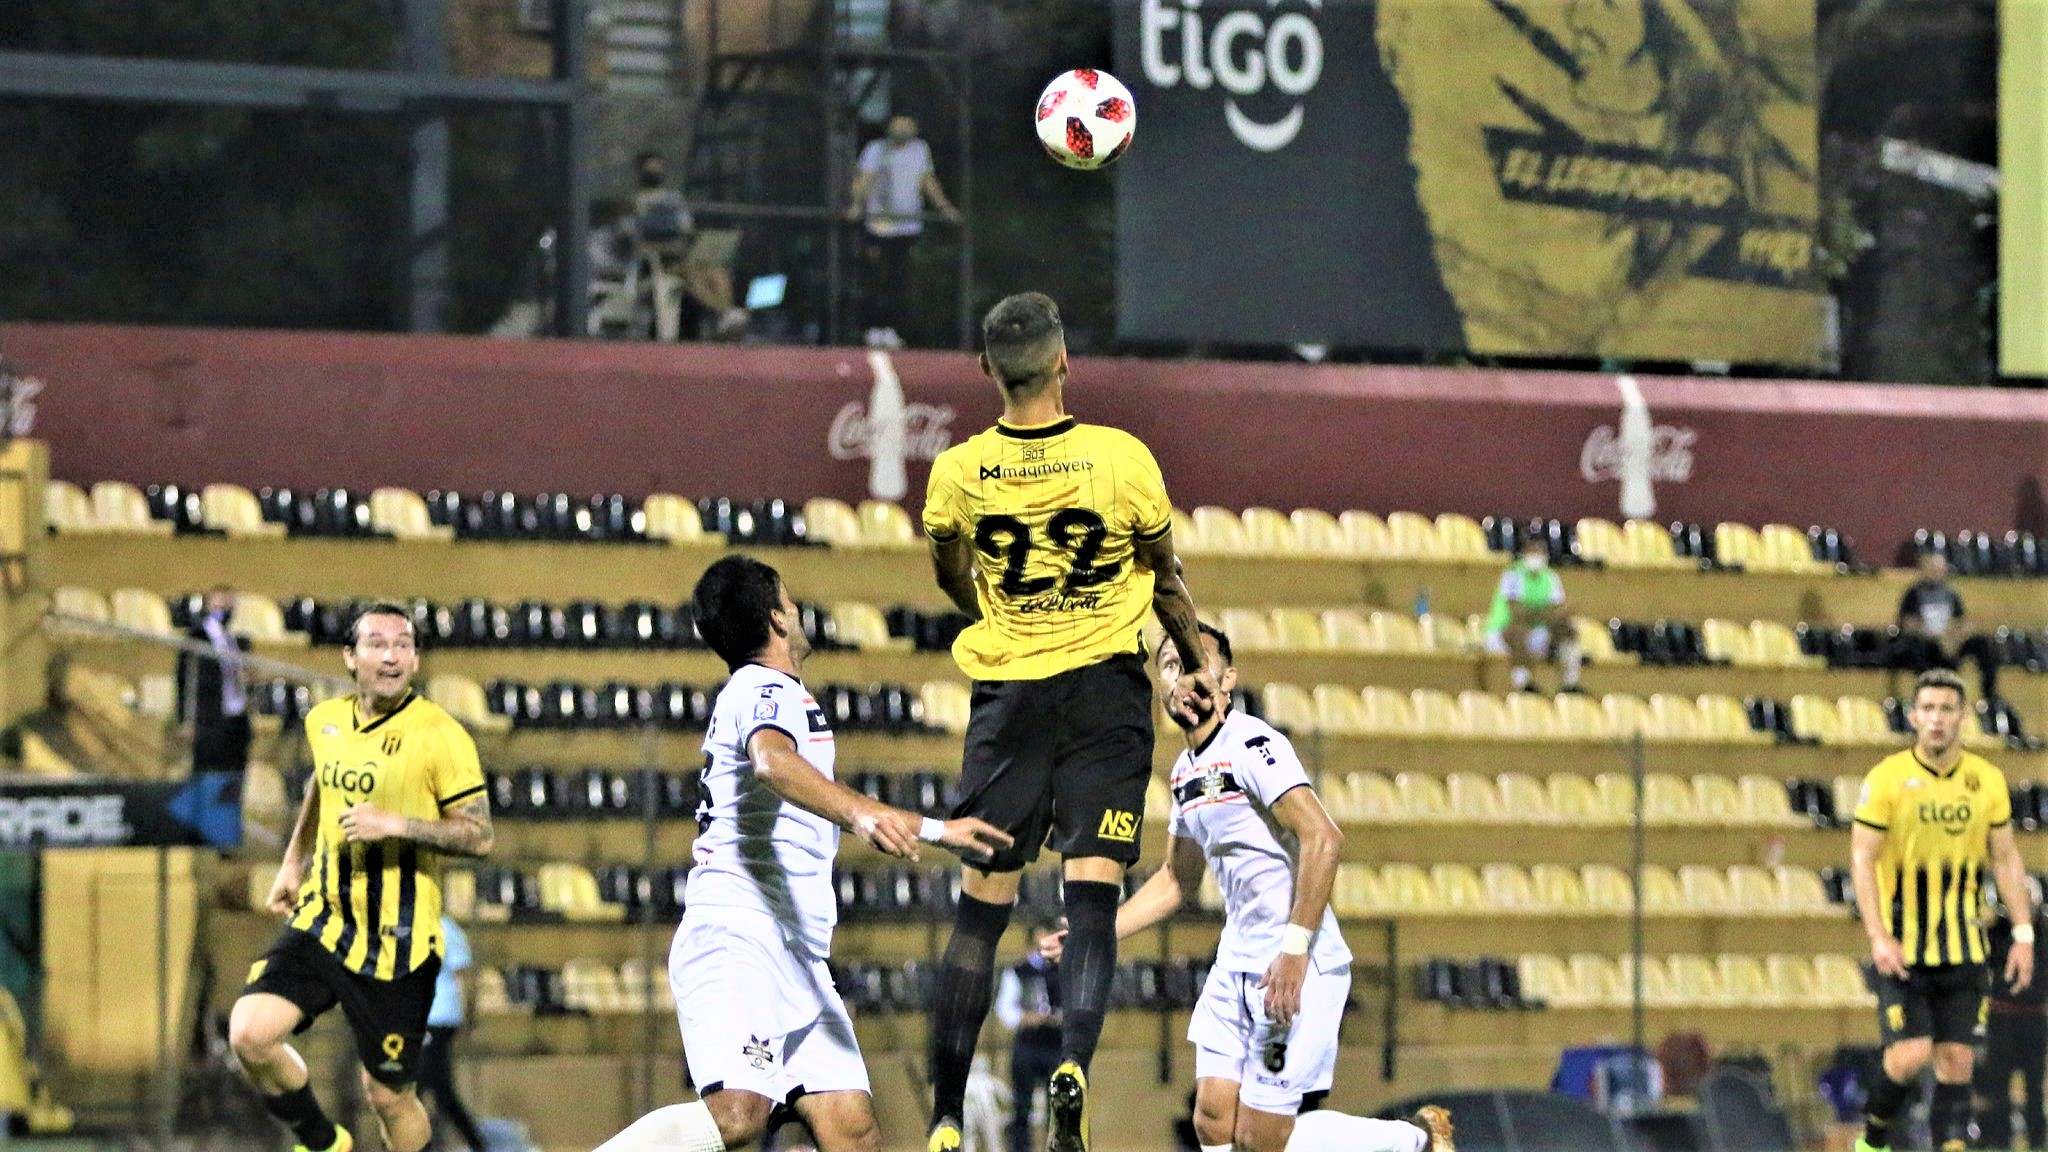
(1508, 888)
(1475, 798)
(1791, 981)
(1607, 888)
(1675, 719)
(1461, 538)
(1727, 642)
(1717, 801)
(1446, 635)
(66, 508)
(1408, 888)
(464, 699)
(1573, 800)
(1739, 546)
(862, 626)
(672, 519)
(261, 620)
(1424, 798)
(1249, 629)
(143, 611)
(1816, 719)
(1726, 721)
(1596, 643)
(1482, 716)
(1268, 531)
(1863, 721)
(1346, 630)
(1548, 980)
(1339, 710)
(1413, 536)
(1617, 795)
(1558, 888)
(1374, 798)
(1522, 799)
(84, 603)
(571, 891)
(1532, 717)
(1317, 532)
(1358, 890)
(1784, 548)
(592, 986)
(1601, 542)
(1773, 645)
(121, 507)
(489, 995)
(1627, 716)
(1458, 889)
(1435, 713)
(1648, 545)
(1847, 791)
(1661, 891)
(1581, 718)
(1754, 891)
(1800, 891)
(946, 705)
(1297, 630)
(831, 522)
(1764, 803)
(1220, 531)
(233, 510)
(1386, 712)
(1394, 634)
(884, 524)
(401, 513)
(1839, 981)
(1600, 981)
(1365, 534)
(1288, 707)
(156, 695)
(1668, 800)
(1695, 982)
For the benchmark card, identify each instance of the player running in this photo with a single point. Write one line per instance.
(763, 1026)
(1265, 1028)
(1056, 537)
(396, 787)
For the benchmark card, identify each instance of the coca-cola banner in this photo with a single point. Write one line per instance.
(311, 410)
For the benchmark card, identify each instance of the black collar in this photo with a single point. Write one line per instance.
(1213, 734)
(1937, 773)
(1042, 432)
(374, 724)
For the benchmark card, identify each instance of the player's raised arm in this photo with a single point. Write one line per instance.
(1175, 607)
(894, 831)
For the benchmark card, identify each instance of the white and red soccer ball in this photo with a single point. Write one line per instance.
(1086, 118)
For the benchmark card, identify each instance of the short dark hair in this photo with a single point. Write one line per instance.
(379, 608)
(1222, 643)
(733, 601)
(1022, 338)
(1939, 678)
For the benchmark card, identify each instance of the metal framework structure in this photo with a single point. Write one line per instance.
(744, 97)
(423, 94)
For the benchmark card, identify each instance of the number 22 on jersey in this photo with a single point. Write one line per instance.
(1078, 533)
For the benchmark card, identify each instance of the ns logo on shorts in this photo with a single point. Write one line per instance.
(1119, 826)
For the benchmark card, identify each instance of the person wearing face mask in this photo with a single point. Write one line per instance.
(666, 236)
(1528, 609)
(895, 179)
(213, 692)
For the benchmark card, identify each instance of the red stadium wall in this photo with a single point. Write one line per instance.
(311, 410)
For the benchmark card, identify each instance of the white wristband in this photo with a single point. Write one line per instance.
(1295, 941)
(931, 831)
(2023, 933)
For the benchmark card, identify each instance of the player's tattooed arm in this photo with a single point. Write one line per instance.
(953, 565)
(463, 830)
(1175, 607)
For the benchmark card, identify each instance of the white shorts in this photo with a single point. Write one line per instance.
(757, 1015)
(1234, 1040)
(1539, 643)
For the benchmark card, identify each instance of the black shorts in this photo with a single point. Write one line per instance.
(1947, 1003)
(1061, 761)
(388, 1017)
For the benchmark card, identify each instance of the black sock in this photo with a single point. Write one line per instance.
(1088, 967)
(1950, 1121)
(1886, 1100)
(301, 1113)
(966, 984)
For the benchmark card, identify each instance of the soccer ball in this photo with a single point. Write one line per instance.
(1086, 118)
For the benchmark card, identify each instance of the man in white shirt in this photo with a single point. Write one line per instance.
(763, 1026)
(1265, 1027)
(894, 180)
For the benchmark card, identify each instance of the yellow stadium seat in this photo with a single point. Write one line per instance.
(1744, 982)
(142, 610)
(1675, 719)
(1287, 707)
(592, 986)
(1848, 793)
(1220, 530)
(1596, 643)
(1458, 888)
(458, 893)
(1414, 536)
(1482, 715)
(156, 695)
(232, 509)
(1764, 803)
(487, 990)
(1727, 721)
(1754, 890)
(1600, 981)
(66, 508)
(1617, 795)
(826, 521)
(1475, 798)
(1661, 892)
(1839, 981)
(1580, 717)
(651, 986)
(1187, 539)
(1626, 715)
(1573, 800)
(1976, 736)
(1777, 646)
(1816, 718)
(1387, 711)
(1297, 630)
(259, 618)
(1364, 534)
(1345, 630)
(1335, 793)
(1864, 722)
(1607, 888)
(1270, 531)
(1435, 713)
(1374, 799)
(1558, 888)
(1786, 549)
(1600, 542)
(884, 524)
(1726, 642)
(674, 520)
(1668, 800)
(1738, 546)
(1696, 981)
(121, 507)
(571, 890)
(1249, 630)
(1717, 801)
(1359, 891)
(1339, 710)
(1394, 633)
(1532, 717)
(401, 514)
(1648, 545)
(1423, 797)
(1446, 635)
(1791, 981)
(946, 705)
(1463, 539)
(1317, 532)
(1548, 980)
(1800, 891)
(1522, 799)
(1508, 888)
(863, 626)
(464, 699)
(1408, 888)
(84, 603)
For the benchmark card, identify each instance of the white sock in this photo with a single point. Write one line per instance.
(676, 1128)
(1216, 1147)
(1326, 1131)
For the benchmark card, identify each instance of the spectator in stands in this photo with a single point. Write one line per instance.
(1931, 616)
(667, 236)
(444, 1024)
(1028, 1004)
(213, 689)
(896, 177)
(2016, 1041)
(1529, 619)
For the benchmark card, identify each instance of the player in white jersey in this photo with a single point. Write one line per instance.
(1265, 1028)
(762, 1024)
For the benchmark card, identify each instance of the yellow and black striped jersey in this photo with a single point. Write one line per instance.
(377, 907)
(1937, 829)
(1054, 512)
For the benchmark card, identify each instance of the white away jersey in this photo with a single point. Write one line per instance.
(753, 849)
(1223, 793)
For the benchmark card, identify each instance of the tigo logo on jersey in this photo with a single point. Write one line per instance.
(1119, 826)
(1952, 818)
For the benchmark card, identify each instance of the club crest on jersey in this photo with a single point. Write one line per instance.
(765, 709)
(757, 1052)
(391, 742)
(1212, 781)
(1970, 780)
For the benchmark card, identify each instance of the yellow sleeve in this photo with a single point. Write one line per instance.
(1143, 492)
(2001, 800)
(1879, 799)
(942, 499)
(457, 774)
